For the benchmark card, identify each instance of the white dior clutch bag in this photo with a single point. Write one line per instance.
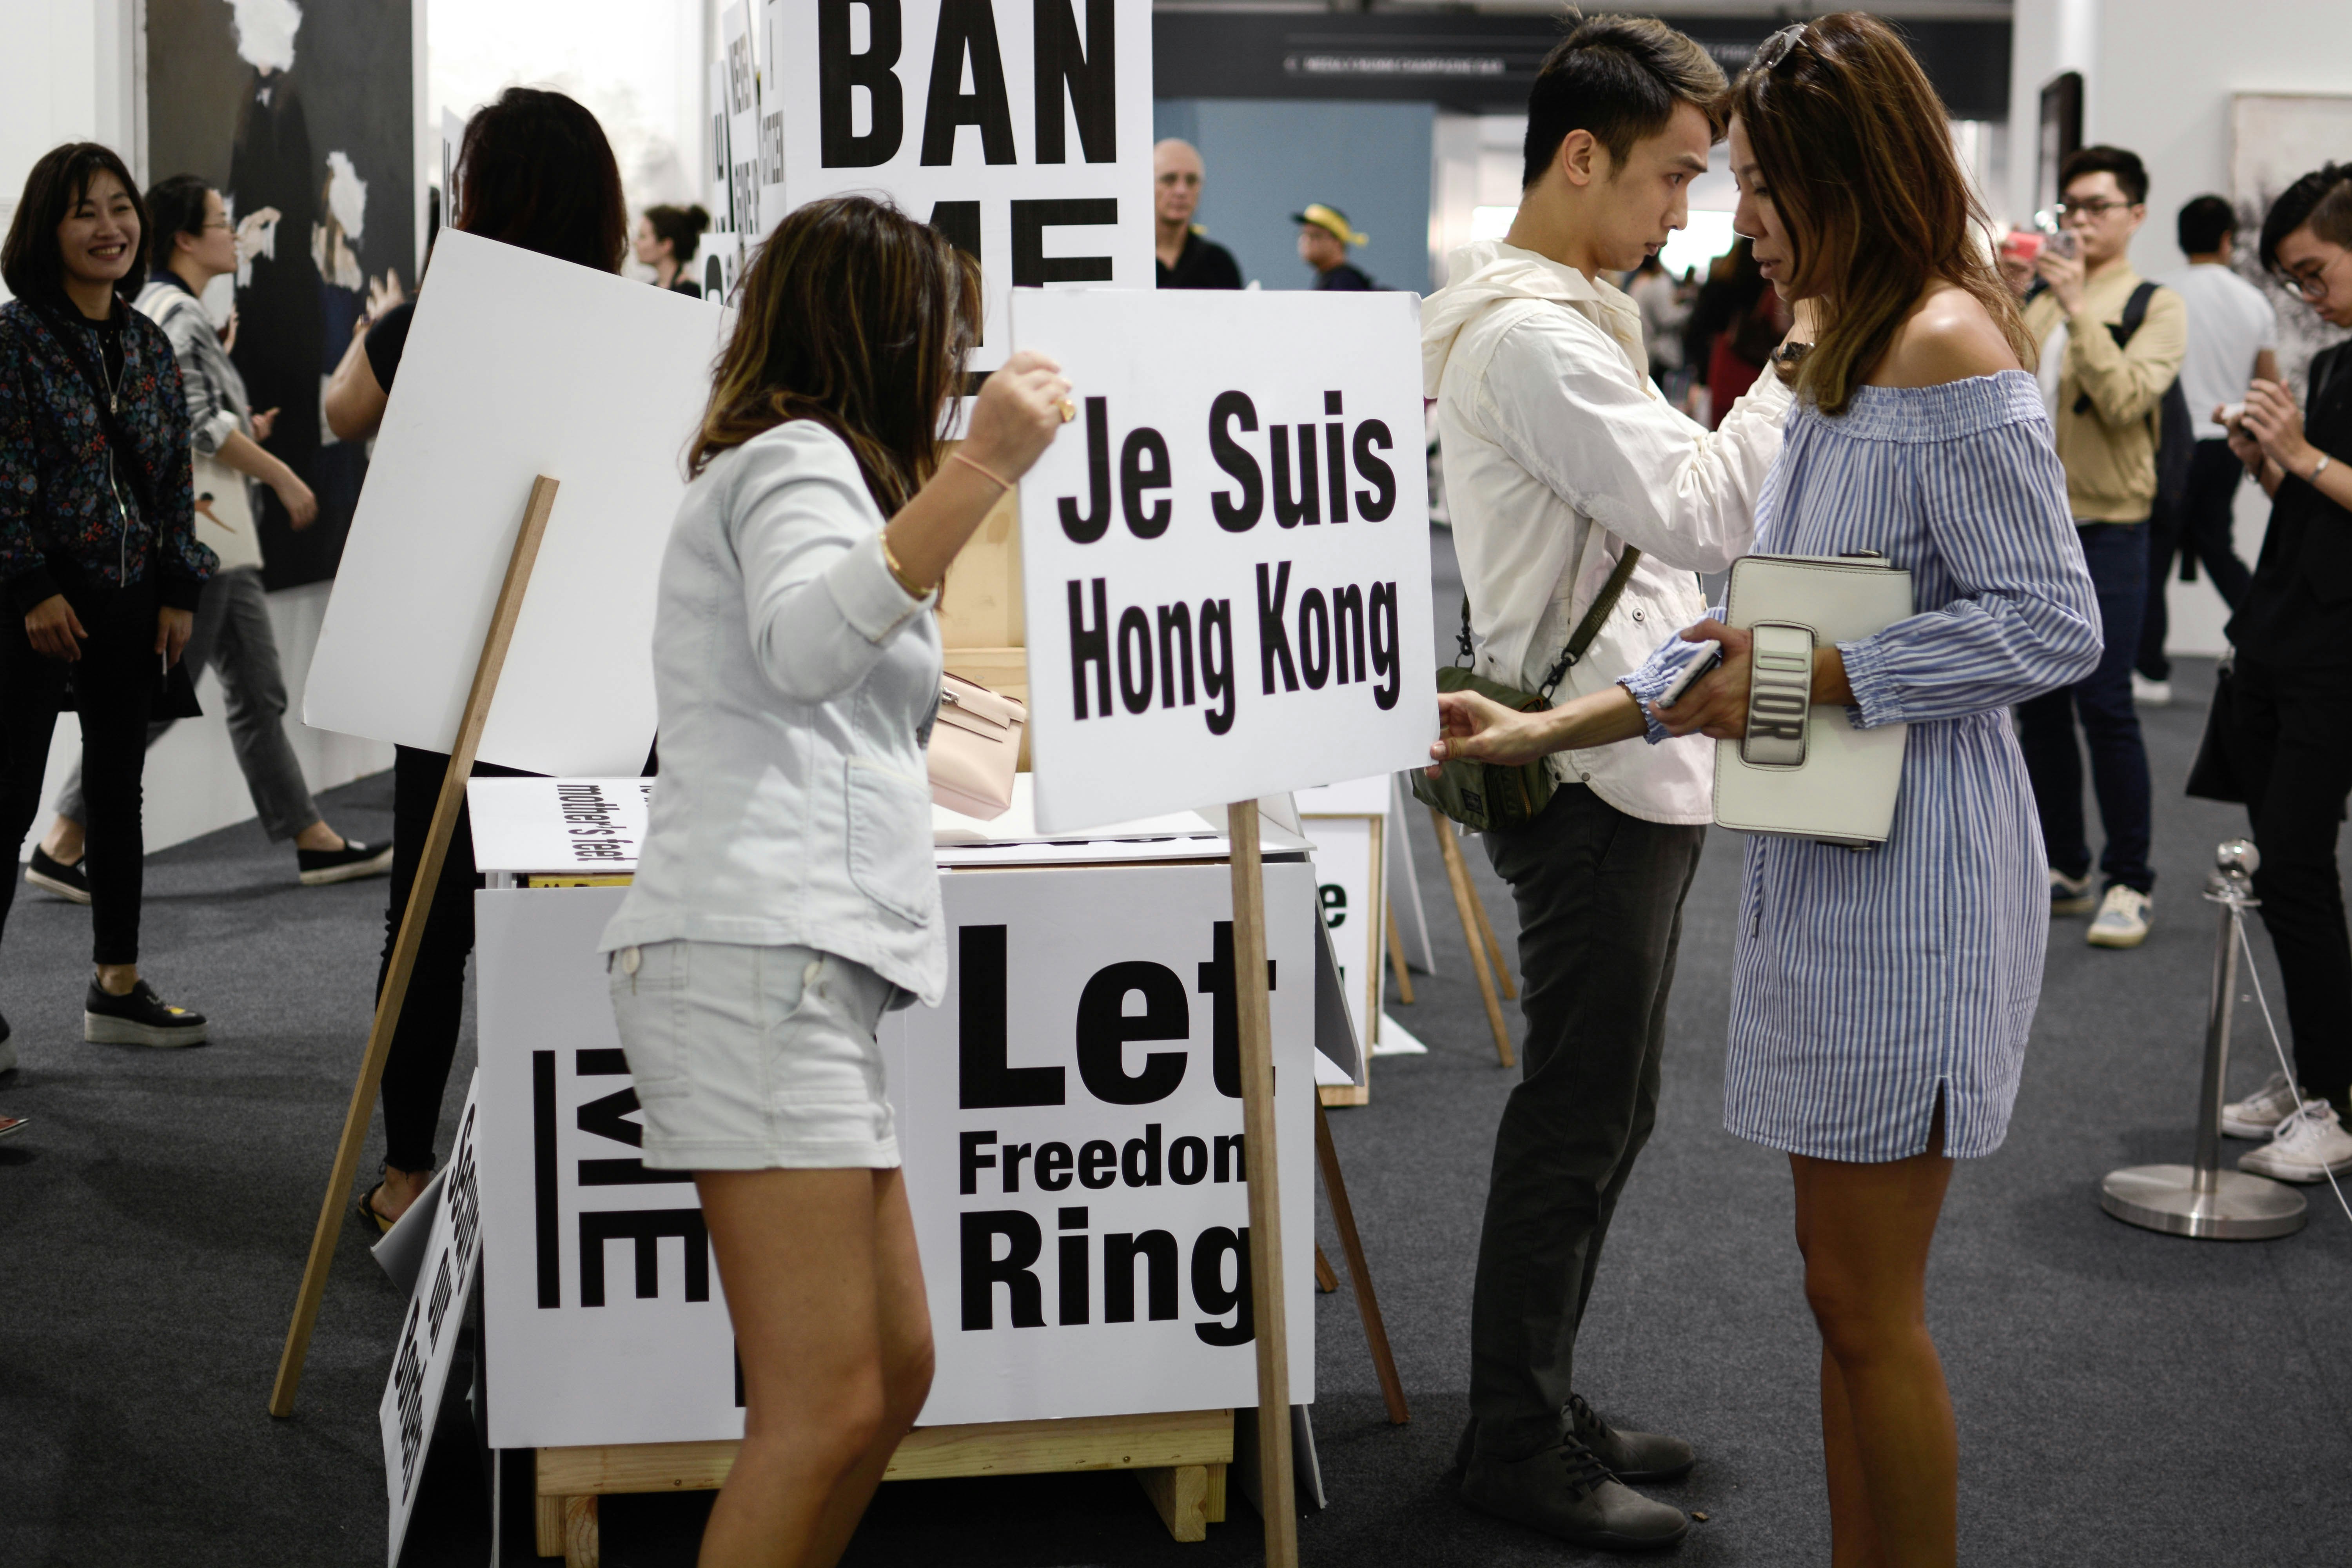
(1805, 772)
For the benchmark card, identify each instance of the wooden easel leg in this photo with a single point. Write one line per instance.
(1466, 904)
(1213, 1509)
(1276, 1484)
(1397, 966)
(1367, 1306)
(583, 1544)
(1325, 1279)
(406, 946)
(548, 1525)
(1181, 1493)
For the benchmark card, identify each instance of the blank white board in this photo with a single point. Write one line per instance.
(517, 365)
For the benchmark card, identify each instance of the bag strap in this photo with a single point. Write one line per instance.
(2123, 332)
(1586, 629)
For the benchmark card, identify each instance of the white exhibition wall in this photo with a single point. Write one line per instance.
(2157, 78)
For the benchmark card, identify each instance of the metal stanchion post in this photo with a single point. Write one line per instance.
(2203, 1199)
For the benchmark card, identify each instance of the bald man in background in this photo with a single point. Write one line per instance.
(1186, 260)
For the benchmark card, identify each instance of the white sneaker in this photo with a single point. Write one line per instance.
(2150, 693)
(2259, 1114)
(2310, 1146)
(2122, 919)
(2071, 895)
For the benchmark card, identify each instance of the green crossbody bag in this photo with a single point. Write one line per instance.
(1488, 797)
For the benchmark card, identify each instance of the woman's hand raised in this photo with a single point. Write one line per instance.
(1017, 414)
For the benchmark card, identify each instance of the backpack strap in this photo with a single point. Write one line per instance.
(2135, 313)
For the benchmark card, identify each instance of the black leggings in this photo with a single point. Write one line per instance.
(417, 1071)
(114, 688)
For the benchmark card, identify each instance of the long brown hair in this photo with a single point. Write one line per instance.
(535, 171)
(1856, 152)
(858, 317)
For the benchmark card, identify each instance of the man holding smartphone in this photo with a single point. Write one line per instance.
(2111, 347)
(1561, 458)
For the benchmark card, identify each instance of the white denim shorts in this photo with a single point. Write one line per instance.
(755, 1058)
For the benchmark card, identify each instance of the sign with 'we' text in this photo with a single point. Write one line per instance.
(1020, 129)
(1225, 557)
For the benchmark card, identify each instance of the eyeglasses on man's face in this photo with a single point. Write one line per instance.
(2310, 279)
(2094, 210)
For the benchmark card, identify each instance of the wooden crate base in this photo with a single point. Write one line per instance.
(1344, 1093)
(1177, 1457)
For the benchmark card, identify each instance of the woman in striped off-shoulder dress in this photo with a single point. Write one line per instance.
(1880, 999)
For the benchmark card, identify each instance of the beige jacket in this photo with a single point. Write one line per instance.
(2109, 448)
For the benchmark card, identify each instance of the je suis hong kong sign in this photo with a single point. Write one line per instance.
(1021, 128)
(1225, 556)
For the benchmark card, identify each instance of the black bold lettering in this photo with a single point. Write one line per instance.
(983, 1081)
(1273, 629)
(1139, 1158)
(1305, 506)
(1375, 504)
(1071, 1276)
(1386, 666)
(1032, 267)
(840, 73)
(1335, 458)
(1217, 682)
(1235, 515)
(967, 27)
(972, 1162)
(1098, 1163)
(982, 1270)
(1135, 668)
(1091, 73)
(1086, 530)
(1211, 1293)
(1188, 1161)
(1348, 635)
(1053, 1167)
(1216, 980)
(1175, 652)
(1157, 1250)
(1013, 1154)
(1314, 639)
(645, 1228)
(1231, 1159)
(1090, 646)
(1143, 467)
(1105, 1028)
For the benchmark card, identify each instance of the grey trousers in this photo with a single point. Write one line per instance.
(1599, 897)
(233, 634)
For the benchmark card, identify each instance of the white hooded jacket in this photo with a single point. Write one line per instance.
(1559, 451)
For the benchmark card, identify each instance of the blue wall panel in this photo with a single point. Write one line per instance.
(1267, 159)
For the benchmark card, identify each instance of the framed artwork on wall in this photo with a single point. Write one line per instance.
(2275, 139)
(2061, 136)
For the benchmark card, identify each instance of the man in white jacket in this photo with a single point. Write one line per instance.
(1560, 454)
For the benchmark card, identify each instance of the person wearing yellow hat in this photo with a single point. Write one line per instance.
(1324, 236)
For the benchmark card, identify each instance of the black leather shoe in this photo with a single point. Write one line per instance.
(1566, 1493)
(138, 1018)
(1637, 1458)
(68, 882)
(320, 868)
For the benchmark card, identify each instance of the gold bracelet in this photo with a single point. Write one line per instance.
(1002, 483)
(898, 572)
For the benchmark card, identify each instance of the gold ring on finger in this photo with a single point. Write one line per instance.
(1069, 410)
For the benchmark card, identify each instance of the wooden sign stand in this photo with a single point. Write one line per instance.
(1277, 1485)
(410, 941)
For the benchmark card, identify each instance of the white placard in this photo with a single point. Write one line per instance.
(775, 21)
(1088, 1025)
(585, 826)
(1021, 128)
(742, 80)
(428, 1329)
(1348, 888)
(511, 370)
(1226, 558)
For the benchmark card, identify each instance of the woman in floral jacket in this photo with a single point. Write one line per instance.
(99, 555)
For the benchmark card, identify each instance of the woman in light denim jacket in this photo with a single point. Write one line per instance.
(787, 895)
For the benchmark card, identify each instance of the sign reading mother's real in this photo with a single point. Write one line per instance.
(1225, 556)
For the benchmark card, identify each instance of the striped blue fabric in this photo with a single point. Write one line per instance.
(1866, 981)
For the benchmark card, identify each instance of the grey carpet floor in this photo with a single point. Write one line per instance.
(2123, 1397)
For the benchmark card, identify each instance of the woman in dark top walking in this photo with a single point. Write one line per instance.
(98, 546)
(536, 171)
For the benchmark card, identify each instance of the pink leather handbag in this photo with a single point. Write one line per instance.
(975, 748)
